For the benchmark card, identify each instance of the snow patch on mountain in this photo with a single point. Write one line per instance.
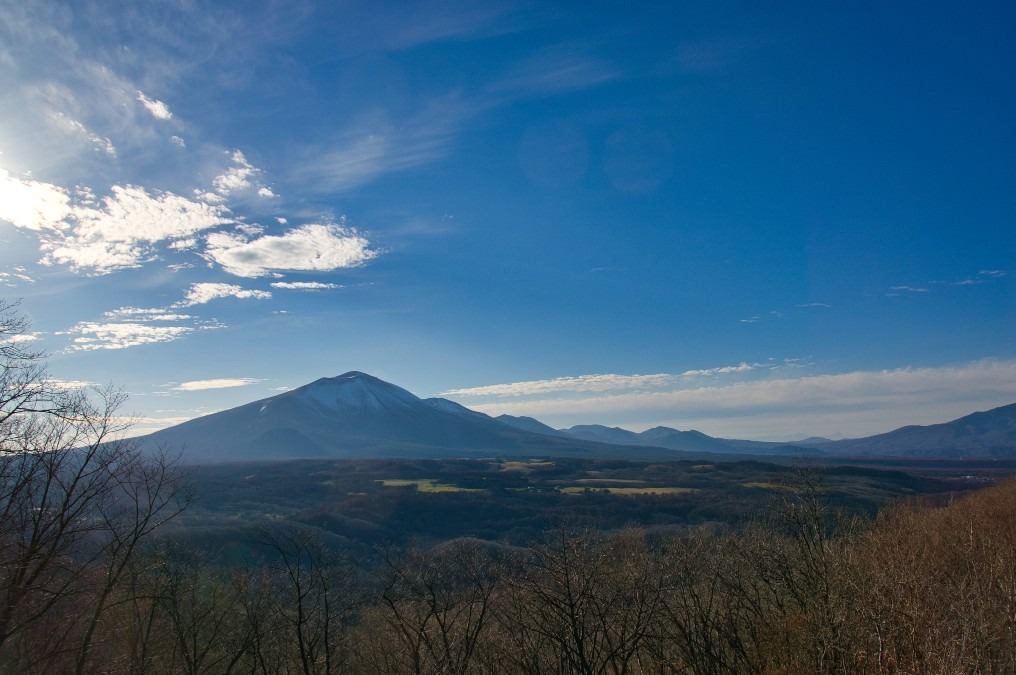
(353, 390)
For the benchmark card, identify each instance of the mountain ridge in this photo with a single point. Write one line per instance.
(357, 414)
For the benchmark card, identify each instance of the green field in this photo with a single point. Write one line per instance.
(426, 485)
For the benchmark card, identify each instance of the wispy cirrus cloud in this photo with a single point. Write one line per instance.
(598, 383)
(305, 285)
(19, 274)
(76, 128)
(145, 314)
(377, 143)
(308, 248)
(980, 278)
(581, 383)
(383, 25)
(554, 70)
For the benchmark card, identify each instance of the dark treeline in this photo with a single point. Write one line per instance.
(919, 589)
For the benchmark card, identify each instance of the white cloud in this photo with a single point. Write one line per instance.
(237, 177)
(310, 248)
(121, 232)
(95, 336)
(135, 326)
(304, 285)
(857, 403)
(241, 177)
(69, 385)
(129, 213)
(202, 293)
(225, 383)
(158, 109)
(176, 140)
(183, 244)
(101, 236)
(251, 230)
(22, 337)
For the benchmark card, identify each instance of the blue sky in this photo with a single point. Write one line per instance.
(755, 222)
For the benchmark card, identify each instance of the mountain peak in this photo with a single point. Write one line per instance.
(354, 389)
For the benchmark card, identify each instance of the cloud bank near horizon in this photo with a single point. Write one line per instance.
(773, 405)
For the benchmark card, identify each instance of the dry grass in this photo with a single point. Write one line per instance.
(525, 467)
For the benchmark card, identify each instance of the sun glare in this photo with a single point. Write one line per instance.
(32, 204)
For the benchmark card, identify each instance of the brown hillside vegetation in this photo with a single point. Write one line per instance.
(920, 589)
(935, 589)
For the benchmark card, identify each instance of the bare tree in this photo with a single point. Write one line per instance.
(205, 611)
(312, 584)
(436, 605)
(74, 500)
(582, 602)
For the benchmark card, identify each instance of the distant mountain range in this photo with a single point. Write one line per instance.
(982, 434)
(659, 437)
(358, 415)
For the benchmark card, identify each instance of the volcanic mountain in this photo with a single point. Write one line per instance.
(354, 415)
